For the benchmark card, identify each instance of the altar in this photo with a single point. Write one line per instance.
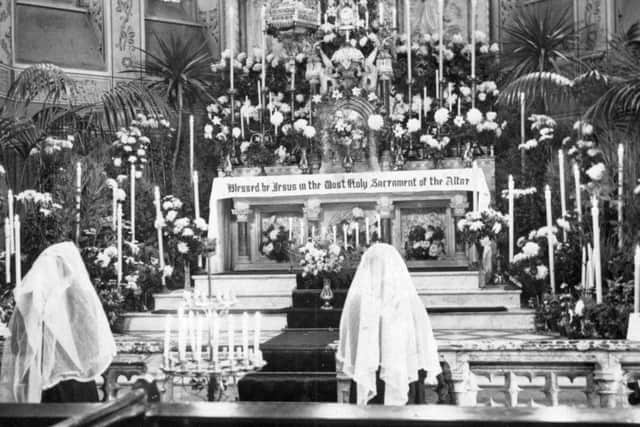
(259, 222)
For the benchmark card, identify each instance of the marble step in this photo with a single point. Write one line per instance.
(276, 320)
(257, 283)
(489, 297)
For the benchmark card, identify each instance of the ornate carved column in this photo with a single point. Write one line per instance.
(312, 211)
(608, 379)
(242, 212)
(458, 206)
(384, 206)
(465, 389)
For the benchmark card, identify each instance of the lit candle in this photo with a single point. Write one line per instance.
(583, 267)
(196, 194)
(407, 24)
(420, 104)
(10, 207)
(264, 49)
(119, 244)
(344, 235)
(366, 231)
(231, 65)
(357, 232)
(589, 268)
(473, 39)
(182, 342)
(459, 107)
(394, 17)
(191, 145)
(78, 197)
(441, 39)
(167, 340)
(424, 101)
(366, 18)
(215, 338)
(16, 232)
(257, 354)
(230, 338)
(476, 194)
(302, 236)
(636, 280)
(595, 217)
(522, 118)
(132, 179)
(159, 221)
(7, 250)
(437, 84)
(576, 178)
(381, 13)
(290, 229)
(259, 95)
(547, 199)
(245, 337)
(293, 76)
(114, 203)
(335, 234)
(620, 194)
(563, 201)
(511, 195)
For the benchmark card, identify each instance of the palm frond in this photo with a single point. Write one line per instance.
(20, 135)
(553, 88)
(620, 103)
(45, 80)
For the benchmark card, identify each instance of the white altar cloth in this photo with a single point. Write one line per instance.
(373, 183)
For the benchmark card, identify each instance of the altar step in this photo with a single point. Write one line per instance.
(273, 321)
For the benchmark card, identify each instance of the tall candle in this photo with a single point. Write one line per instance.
(583, 266)
(230, 338)
(257, 354)
(78, 198)
(589, 268)
(366, 18)
(245, 337)
(620, 194)
(366, 231)
(313, 231)
(215, 337)
(7, 250)
(191, 145)
(264, 48)
(636, 280)
(437, 84)
(595, 217)
(459, 107)
(159, 220)
(302, 235)
(18, 256)
(290, 229)
(425, 105)
(563, 197)
(231, 65)
(378, 226)
(344, 236)
(119, 244)
(407, 23)
(114, 203)
(196, 194)
(474, 4)
(576, 178)
(441, 39)
(381, 13)
(259, 95)
(335, 234)
(10, 207)
(293, 76)
(167, 340)
(394, 17)
(522, 118)
(476, 194)
(547, 199)
(357, 232)
(511, 195)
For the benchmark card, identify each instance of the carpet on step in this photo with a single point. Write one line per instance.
(288, 387)
(300, 350)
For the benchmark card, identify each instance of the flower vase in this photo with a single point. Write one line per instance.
(228, 166)
(347, 162)
(187, 275)
(304, 163)
(326, 294)
(399, 161)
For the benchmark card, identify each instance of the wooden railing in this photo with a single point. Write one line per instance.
(597, 374)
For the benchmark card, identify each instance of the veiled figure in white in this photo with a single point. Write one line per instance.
(59, 331)
(385, 327)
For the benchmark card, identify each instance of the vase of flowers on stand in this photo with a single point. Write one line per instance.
(326, 295)
(347, 162)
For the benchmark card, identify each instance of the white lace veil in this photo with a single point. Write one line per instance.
(385, 325)
(59, 330)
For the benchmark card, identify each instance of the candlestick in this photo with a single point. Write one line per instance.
(366, 231)
(7, 250)
(11, 213)
(595, 218)
(231, 67)
(620, 195)
(18, 256)
(511, 189)
(547, 199)
(257, 354)
(394, 18)
(381, 13)
(290, 229)
(114, 204)
(344, 236)
(437, 84)
(259, 95)
(576, 178)
(191, 145)
(335, 234)
(366, 18)
(407, 9)
(476, 194)
(245, 337)
(522, 118)
(302, 236)
(293, 77)
(264, 48)
(589, 268)
(583, 267)
(441, 39)
(133, 203)
(636, 280)
(357, 231)
(119, 244)
(459, 107)
(563, 201)
(167, 340)
(159, 225)
(473, 40)
(196, 194)
(230, 338)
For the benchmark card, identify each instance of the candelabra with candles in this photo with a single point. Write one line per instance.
(211, 364)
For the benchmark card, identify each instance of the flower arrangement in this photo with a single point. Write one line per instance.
(319, 260)
(544, 126)
(348, 130)
(275, 241)
(130, 148)
(51, 145)
(582, 147)
(487, 223)
(529, 265)
(425, 243)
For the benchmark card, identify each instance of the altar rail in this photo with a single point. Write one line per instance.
(579, 373)
(319, 415)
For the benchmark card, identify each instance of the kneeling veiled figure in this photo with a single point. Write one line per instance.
(60, 337)
(385, 330)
